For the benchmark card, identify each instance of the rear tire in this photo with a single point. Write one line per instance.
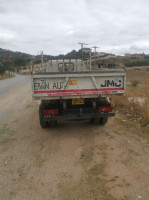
(94, 121)
(43, 123)
(103, 120)
(53, 123)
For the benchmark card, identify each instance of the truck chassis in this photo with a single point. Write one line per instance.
(97, 110)
(67, 90)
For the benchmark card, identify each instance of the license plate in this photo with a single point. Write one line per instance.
(77, 101)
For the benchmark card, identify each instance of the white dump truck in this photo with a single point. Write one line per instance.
(72, 89)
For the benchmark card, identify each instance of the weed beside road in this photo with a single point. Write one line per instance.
(5, 135)
(6, 75)
(135, 104)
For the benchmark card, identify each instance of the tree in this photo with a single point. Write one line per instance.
(19, 62)
(2, 69)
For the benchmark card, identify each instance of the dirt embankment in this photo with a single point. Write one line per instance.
(75, 161)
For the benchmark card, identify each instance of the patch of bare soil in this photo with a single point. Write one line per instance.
(75, 161)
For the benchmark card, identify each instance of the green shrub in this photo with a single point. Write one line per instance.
(134, 83)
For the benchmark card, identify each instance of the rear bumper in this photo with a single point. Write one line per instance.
(79, 116)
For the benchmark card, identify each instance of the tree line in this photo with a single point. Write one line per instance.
(11, 61)
(132, 62)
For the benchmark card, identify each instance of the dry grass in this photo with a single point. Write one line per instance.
(6, 136)
(6, 75)
(87, 156)
(134, 82)
(140, 74)
(135, 103)
(25, 71)
(92, 184)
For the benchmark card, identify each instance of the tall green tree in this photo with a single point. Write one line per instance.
(2, 69)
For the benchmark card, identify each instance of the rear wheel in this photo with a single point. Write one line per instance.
(103, 120)
(43, 124)
(94, 121)
(53, 123)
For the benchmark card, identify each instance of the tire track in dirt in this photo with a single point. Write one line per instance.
(73, 158)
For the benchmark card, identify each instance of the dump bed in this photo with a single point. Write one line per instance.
(76, 84)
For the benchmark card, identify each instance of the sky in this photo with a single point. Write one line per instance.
(57, 26)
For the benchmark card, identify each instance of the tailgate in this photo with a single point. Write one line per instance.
(86, 85)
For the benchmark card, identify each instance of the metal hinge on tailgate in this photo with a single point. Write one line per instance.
(94, 81)
(66, 82)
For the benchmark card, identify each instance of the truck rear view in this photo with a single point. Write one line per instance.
(72, 90)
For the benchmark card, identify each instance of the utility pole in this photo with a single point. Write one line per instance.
(90, 59)
(0, 69)
(82, 44)
(95, 49)
(95, 53)
(42, 60)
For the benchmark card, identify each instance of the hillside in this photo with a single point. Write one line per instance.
(6, 55)
(10, 59)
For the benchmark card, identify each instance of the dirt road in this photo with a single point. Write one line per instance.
(75, 161)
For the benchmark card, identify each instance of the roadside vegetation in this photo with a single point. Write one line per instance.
(18, 61)
(93, 182)
(6, 75)
(133, 62)
(135, 104)
(139, 75)
(6, 136)
(134, 83)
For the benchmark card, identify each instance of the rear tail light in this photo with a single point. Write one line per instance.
(51, 112)
(105, 109)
